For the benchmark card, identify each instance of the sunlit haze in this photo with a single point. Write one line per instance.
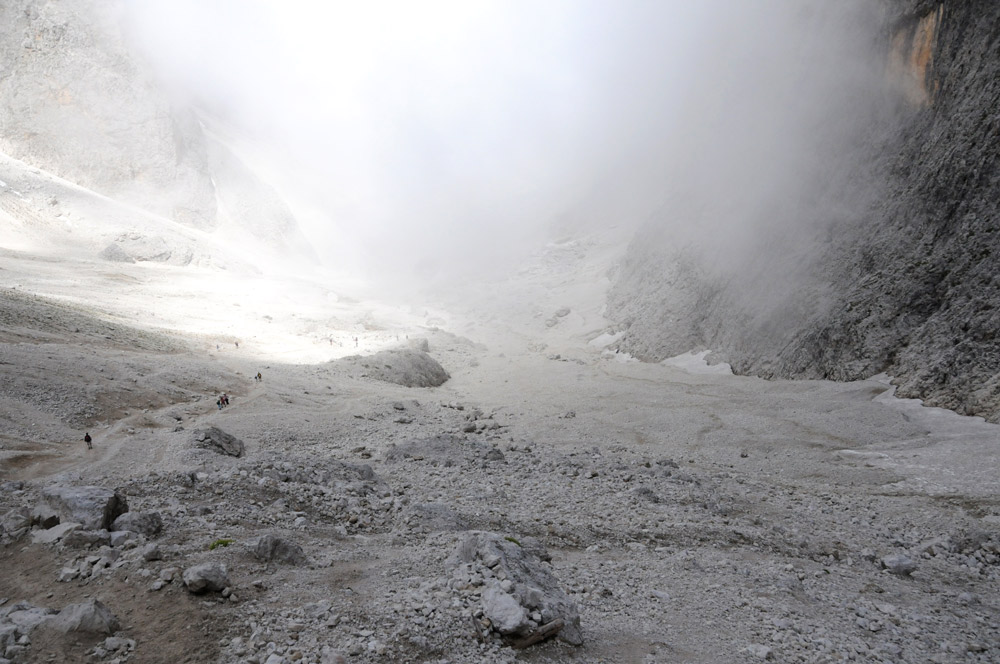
(439, 139)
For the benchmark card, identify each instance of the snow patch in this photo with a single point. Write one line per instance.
(604, 340)
(695, 363)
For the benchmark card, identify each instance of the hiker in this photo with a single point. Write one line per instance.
(218, 403)
(237, 344)
(90, 441)
(225, 399)
(259, 377)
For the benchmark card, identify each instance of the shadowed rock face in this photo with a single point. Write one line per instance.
(901, 280)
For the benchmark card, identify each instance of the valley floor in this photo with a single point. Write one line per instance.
(692, 517)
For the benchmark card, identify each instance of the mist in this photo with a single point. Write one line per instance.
(442, 140)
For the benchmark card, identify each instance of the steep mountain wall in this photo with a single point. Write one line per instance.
(892, 262)
(74, 101)
(77, 100)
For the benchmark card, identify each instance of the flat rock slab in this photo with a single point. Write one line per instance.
(90, 616)
(53, 534)
(93, 507)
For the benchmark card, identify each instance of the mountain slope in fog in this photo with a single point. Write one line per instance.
(80, 104)
(888, 261)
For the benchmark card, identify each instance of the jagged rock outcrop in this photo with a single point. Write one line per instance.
(887, 263)
(217, 440)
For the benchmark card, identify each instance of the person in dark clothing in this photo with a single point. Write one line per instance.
(90, 441)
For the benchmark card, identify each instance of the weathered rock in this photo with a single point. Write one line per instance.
(16, 522)
(270, 548)
(217, 440)
(89, 616)
(504, 611)
(899, 564)
(144, 523)
(53, 534)
(206, 577)
(407, 366)
(528, 583)
(44, 516)
(83, 539)
(93, 507)
(26, 617)
(151, 552)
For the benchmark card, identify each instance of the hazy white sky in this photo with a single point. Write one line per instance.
(445, 132)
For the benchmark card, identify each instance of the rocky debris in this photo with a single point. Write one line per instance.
(148, 524)
(522, 596)
(15, 523)
(433, 517)
(93, 507)
(441, 450)
(217, 440)
(408, 367)
(116, 646)
(271, 548)
(21, 622)
(206, 577)
(89, 616)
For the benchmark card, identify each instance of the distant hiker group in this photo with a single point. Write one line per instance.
(222, 401)
(258, 377)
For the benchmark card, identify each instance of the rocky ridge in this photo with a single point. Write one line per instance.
(895, 272)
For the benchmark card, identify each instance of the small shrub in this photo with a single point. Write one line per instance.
(512, 539)
(219, 542)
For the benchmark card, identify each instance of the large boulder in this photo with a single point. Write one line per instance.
(272, 548)
(143, 523)
(93, 507)
(217, 440)
(409, 367)
(206, 577)
(90, 616)
(529, 601)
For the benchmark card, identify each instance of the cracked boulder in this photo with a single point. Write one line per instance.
(93, 507)
(217, 440)
(523, 600)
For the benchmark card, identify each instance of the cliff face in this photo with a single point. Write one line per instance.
(76, 103)
(899, 270)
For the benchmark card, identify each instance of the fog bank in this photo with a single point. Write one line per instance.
(442, 139)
